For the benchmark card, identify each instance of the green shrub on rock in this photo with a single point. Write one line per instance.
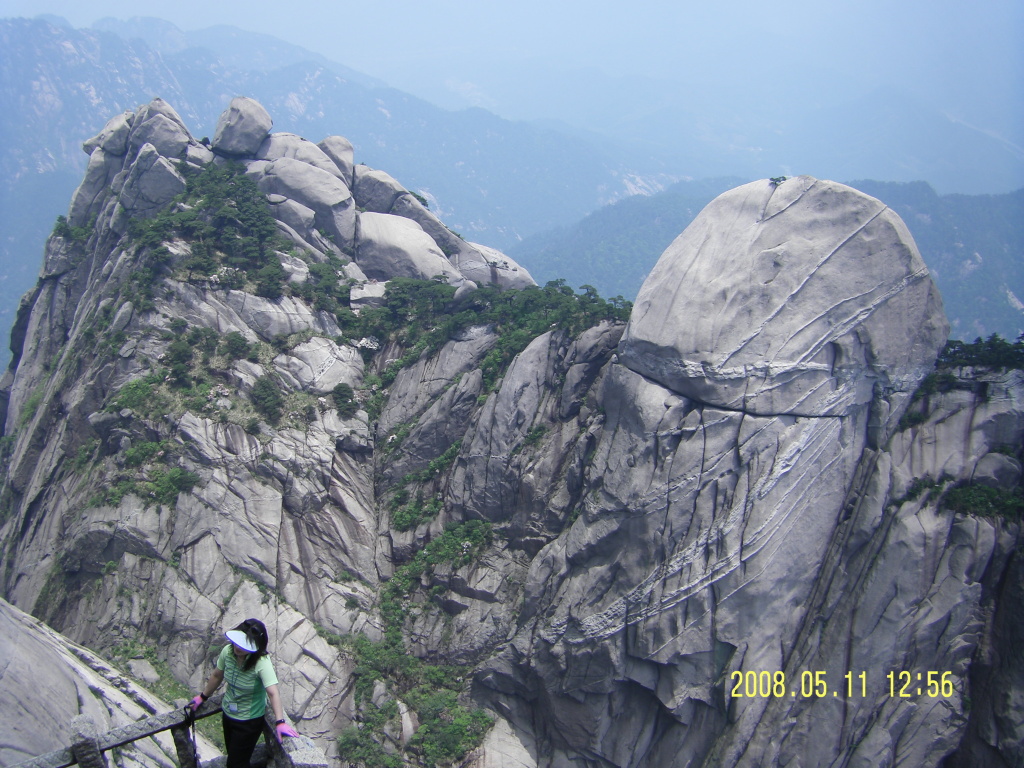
(235, 346)
(975, 499)
(267, 399)
(344, 400)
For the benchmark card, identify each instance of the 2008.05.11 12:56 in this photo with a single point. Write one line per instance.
(764, 684)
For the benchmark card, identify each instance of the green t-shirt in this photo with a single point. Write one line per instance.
(246, 696)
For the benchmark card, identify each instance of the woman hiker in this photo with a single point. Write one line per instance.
(251, 681)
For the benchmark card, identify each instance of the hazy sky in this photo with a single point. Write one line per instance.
(965, 58)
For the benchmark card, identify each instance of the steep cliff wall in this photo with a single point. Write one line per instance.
(463, 490)
(749, 518)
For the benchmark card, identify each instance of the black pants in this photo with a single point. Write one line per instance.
(240, 737)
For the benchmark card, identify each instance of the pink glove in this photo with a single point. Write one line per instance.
(283, 729)
(196, 703)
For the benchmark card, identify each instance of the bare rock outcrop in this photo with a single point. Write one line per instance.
(206, 508)
(242, 127)
(279, 145)
(777, 299)
(341, 151)
(392, 246)
(48, 681)
(741, 520)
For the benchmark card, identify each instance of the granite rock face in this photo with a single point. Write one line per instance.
(48, 681)
(288, 508)
(726, 489)
(749, 514)
(393, 246)
(777, 300)
(242, 127)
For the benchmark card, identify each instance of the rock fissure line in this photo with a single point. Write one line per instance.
(747, 411)
(605, 623)
(774, 191)
(811, 273)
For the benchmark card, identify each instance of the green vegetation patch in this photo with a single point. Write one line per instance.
(160, 486)
(935, 383)
(226, 221)
(267, 399)
(143, 396)
(32, 403)
(84, 455)
(77, 235)
(235, 347)
(344, 400)
(994, 352)
(448, 730)
(359, 746)
(457, 546)
(144, 452)
(921, 486)
(420, 315)
(324, 288)
(969, 498)
(406, 512)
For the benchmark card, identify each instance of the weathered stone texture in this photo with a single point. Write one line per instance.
(242, 127)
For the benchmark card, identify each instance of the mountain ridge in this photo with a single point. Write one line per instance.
(482, 173)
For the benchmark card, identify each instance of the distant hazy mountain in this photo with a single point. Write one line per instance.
(234, 47)
(760, 128)
(973, 245)
(493, 180)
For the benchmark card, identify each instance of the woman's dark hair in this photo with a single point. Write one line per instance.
(255, 631)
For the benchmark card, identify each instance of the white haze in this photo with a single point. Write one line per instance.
(582, 61)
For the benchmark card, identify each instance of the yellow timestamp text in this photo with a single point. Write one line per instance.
(765, 684)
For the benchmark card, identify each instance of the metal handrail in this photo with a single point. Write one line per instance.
(88, 748)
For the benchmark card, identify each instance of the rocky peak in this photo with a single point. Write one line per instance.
(315, 191)
(242, 128)
(775, 300)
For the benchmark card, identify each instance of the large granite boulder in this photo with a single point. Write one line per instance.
(393, 246)
(159, 124)
(152, 183)
(91, 193)
(242, 127)
(483, 264)
(341, 151)
(778, 298)
(313, 187)
(278, 145)
(376, 190)
(738, 494)
(113, 139)
(49, 681)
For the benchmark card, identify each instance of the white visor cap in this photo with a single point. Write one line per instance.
(240, 639)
